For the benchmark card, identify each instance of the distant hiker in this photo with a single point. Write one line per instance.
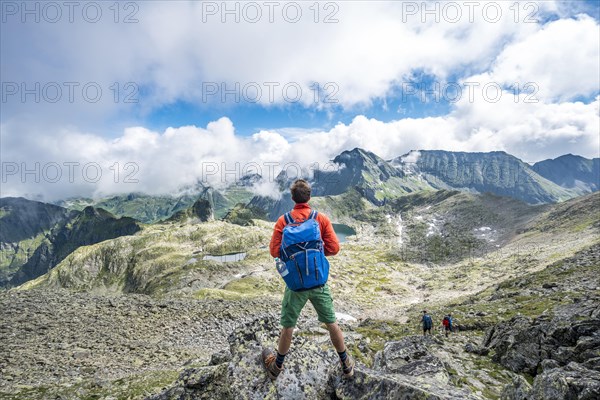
(447, 322)
(427, 323)
(302, 238)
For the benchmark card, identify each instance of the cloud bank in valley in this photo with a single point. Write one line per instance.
(179, 157)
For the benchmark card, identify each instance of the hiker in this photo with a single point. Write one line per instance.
(447, 322)
(427, 323)
(302, 270)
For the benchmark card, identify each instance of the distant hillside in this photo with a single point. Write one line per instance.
(495, 172)
(573, 172)
(379, 181)
(154, 208)
(21, 219)
(376, 179)
(37, 236)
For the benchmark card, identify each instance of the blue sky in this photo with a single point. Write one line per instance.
(142, 83)
(401, 102)
(250, 118)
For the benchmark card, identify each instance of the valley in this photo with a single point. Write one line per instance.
(166, 309)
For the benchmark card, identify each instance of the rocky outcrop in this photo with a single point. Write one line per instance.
(410, 356)
(562, 352)
(311, 372)
(519, 389)
(243, 215)
(305, 375)
(203, 210)
(573, 381)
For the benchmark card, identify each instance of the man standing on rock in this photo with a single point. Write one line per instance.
(320, 297)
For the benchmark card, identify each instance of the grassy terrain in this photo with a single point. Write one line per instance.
(162, 258)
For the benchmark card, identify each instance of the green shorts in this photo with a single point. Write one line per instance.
(294, 302)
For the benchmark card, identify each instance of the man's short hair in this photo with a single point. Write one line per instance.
(300, 191)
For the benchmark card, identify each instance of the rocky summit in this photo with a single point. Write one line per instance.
(312, 371)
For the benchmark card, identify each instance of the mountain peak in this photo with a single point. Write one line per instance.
(355, 154)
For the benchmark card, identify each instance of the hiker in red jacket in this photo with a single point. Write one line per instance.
(320, 297)
(447, 322)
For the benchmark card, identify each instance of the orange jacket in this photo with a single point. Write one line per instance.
(300, 213)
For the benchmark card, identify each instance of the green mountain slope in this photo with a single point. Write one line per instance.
(21, 219)
(154, 208)
(24, 226)
(168, 258)
(38, 236)
(460, 234)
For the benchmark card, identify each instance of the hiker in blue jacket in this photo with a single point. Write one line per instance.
(427, 323)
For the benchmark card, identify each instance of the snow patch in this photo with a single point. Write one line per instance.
(432, 227)
(486, 233)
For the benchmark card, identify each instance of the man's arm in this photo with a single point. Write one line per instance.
(276, 237)
(330, 240)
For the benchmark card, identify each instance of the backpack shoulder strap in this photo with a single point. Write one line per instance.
(313, 215)
(288, 218)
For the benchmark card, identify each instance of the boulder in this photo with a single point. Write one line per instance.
(475, 349)
(374, 385)
(519, 389)
(516, 343)
(570, 382)
(410, 356)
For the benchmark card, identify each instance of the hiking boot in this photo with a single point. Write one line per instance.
(348, 366)
(267, 359)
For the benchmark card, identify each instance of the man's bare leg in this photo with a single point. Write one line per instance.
(337, 337)
(285, 340)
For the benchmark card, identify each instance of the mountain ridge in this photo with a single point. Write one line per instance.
(571, 171)
(379, 180)
(32, 251)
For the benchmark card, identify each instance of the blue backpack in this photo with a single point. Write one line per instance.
(302, 251)
(428, 321)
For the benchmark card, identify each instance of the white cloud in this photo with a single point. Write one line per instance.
(165, 162)
(563, 59)
(170, 53)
